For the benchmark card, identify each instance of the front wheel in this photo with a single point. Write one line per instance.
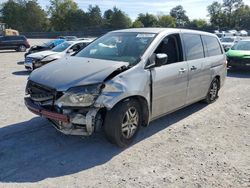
(123, 122)
(212, 94)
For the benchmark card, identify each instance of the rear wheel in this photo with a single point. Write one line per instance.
(123, 122)
(212, 94)
(21, 48)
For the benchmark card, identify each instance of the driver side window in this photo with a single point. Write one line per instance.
(76, 47)
(171, 45)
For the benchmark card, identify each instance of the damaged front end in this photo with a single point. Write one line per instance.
(71, 112)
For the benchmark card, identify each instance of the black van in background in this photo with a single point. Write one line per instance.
(18, 43)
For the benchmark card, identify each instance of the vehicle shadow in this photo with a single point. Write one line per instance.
(21, 73)
(7, 51)
(20, 62)
(33, 151)
(237, 73)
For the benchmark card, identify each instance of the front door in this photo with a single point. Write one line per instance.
(169, 81)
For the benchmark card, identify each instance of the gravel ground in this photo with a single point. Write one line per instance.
(198, 146)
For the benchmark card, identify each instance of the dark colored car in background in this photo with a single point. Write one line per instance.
(46, 46)
(18, 43)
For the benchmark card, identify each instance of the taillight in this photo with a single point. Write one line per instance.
(225, 62)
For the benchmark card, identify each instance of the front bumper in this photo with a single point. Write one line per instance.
(70, 124)
(239, 62)
(38, 110)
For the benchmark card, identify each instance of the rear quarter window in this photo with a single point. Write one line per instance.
(193, 46)
(212, 45)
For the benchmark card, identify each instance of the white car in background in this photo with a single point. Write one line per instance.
(228, 42)
(68, 48)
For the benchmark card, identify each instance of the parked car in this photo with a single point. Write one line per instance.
(127, 78)
(18, 43)
(239, 55)
(46, 46)
(228, 42)
(68, 38)
(36, 60)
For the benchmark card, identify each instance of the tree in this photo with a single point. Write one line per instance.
(94, 16)
(60, 10)
(232, 14)
(198, 23)
(180, 15)
(37, 16)
(216, 14)
(229, 7)
(167, 21)
(119, 19)
(137, 24)
(24, 15)
(116, 19)
(242, 17)
(148, 20)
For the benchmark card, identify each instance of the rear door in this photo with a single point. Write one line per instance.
(197, 76)
(169, 82)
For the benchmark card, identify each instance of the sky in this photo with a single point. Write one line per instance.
(195, 8)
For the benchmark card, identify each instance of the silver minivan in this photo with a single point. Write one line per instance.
(127, 78)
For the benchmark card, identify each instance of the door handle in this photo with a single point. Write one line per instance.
(182, 70)
(193, 68)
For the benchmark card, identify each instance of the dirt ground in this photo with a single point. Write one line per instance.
(199, 146)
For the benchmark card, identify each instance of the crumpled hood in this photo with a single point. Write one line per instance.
(74, 71)
(41, 55)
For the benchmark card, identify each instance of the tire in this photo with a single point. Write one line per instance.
(21, 48)
(212, 94)
(123, 122)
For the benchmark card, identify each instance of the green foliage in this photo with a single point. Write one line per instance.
(24, 15)
(198, 23)
(137, 24)
(167, 21)
(148, 20)
(230, 14)
(116, 19)
(61, 14)
(94, 16)
(65, 15)
(179, 14)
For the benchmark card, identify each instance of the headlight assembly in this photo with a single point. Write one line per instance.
(81, 96)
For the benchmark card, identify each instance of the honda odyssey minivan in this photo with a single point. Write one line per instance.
(127, 78)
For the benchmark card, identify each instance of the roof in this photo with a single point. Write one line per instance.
(157, 30)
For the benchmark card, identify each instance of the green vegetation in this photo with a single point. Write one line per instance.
(65, 15)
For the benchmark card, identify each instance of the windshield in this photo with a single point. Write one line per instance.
(242, 45)
(227, 40)
(120, 46)
(62, 47)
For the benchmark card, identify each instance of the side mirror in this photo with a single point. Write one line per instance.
(161, 59)
(157, 60)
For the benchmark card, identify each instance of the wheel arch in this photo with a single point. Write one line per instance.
(142, 101)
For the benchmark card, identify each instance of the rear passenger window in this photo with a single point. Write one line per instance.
(193, 46)
(212, 45)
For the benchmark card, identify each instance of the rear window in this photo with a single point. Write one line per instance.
(193, 46)
(212, 45)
